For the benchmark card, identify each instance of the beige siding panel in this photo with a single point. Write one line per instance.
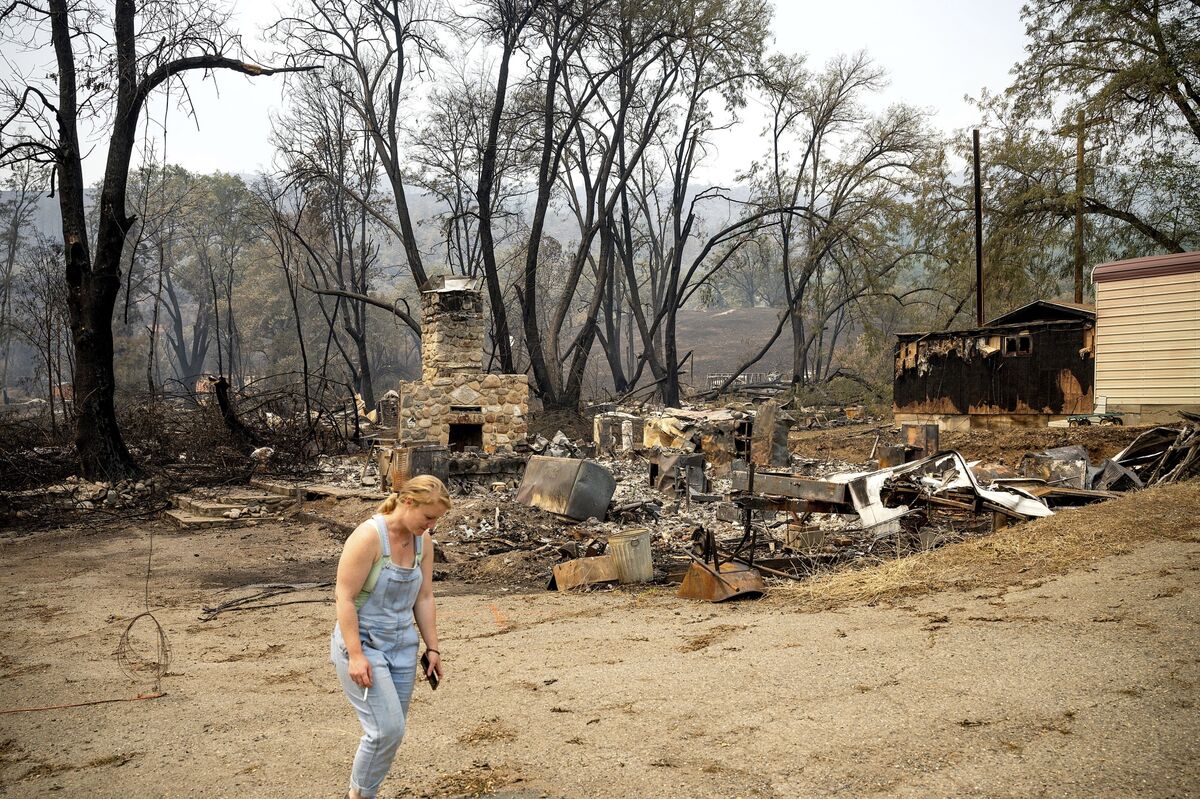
(1152, 354)
(1147, 332)
(1179, 371)
(1117, 303)
(1148, 341)
(1162, 281)
(1120, 306)
(1173, 310)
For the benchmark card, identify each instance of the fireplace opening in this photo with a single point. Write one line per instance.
(465, 435)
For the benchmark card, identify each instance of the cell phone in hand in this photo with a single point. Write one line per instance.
(429, 675)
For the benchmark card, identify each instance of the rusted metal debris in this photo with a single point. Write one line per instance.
(678, 473)
(769, 435)
(712, 580)
(915, 505)
(721, 583)
(783, 484)
(584, 572)
(1061, 466)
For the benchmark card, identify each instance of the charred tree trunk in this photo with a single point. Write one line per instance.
(483, 196)
(92, 290)
(243, 436)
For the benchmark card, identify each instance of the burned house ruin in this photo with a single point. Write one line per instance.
(723, 435)
(1026, 368)
(456, 404)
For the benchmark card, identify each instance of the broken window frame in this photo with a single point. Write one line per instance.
(1018, 346)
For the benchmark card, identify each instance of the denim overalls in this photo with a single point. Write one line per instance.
(389, 641)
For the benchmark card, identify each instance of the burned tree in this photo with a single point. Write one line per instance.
(380, 50)
(104, 71)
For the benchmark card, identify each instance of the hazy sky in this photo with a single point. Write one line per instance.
(935, 52)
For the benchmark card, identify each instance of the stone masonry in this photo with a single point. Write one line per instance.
(454, 393)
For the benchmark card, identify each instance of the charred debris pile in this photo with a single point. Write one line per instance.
(713, 498)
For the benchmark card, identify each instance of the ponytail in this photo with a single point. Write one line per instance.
(424, 489)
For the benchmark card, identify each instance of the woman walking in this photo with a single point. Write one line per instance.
(384, 595)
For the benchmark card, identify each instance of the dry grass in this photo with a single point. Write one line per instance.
(707, 639)
(1014, 555)
(479, 780)
(490, 731)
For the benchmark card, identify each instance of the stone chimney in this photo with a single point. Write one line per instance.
(451, 327)
(455, 404)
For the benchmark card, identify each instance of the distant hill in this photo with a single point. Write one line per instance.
(720, 341)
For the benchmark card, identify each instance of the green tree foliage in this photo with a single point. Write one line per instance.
(1133, 68)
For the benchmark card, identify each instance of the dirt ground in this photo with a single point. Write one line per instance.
(1030, 673)
(854, 443)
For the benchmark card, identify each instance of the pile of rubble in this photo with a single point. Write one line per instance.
(1164, 454)
(559, 446)
(86, 495)
(717, 486)
(826, 417)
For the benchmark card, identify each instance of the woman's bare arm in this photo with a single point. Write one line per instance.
(359, 554)
(425, 610)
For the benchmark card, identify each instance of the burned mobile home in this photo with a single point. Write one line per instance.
(1025, 368)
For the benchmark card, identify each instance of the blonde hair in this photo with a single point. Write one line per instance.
(424, 489)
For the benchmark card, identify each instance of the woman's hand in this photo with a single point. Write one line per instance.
(360, 670)
(435, 663)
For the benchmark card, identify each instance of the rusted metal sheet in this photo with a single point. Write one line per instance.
(1112, 476)
(893, 455)
(575, 488)
(922, 437)
(787, 485)
(584, 571)
(768, 436)
(732, 580)
(1068, 496)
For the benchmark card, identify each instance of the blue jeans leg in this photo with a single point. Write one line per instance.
(382, 715)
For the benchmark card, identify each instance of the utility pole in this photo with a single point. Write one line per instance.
(978, 234)
(1079, 128)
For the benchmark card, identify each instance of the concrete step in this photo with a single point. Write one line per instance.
(275, 488)
(202, 506)
(198, 506)
(247, 498)
(192, 521)
(314, 490)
